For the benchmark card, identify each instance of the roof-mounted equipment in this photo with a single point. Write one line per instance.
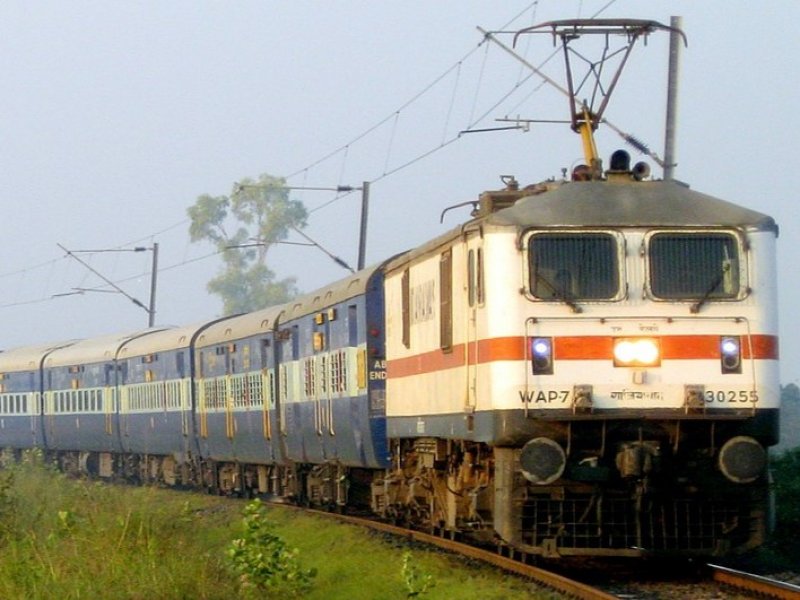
(587, 113)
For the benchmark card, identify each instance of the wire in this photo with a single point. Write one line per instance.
(345, 148)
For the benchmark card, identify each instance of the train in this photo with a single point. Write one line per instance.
(584, 367)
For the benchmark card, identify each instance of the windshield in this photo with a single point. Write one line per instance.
(573, 266)
(694, 266)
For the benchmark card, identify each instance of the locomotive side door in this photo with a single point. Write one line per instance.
(474, 300)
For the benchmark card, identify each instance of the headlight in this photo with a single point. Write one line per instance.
(636, 352)
(542, 355)
(730, 353)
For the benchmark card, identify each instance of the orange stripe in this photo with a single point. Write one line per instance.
(764, 346)
(505, 348)
(583, 348)
(677, 347)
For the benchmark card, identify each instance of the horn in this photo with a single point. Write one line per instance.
(641, 170)
(620, 161)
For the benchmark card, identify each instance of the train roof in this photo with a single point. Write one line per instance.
(603, 204)
(168, 339)
(263, 321)
(611, 204)
(93, 350)
(339, 291)
(238, 327)
(28, 358)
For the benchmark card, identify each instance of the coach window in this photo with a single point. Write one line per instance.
(245, 357)
(574, 266)
(352, 325)
(110, 371)
(180, 364)
(295, 342)
(695, 265)
(263, 346)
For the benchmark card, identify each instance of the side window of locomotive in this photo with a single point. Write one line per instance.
(574, 266)
(405, 299)
(475, 277)
(446, 300)
(479, 277)
(694, 266)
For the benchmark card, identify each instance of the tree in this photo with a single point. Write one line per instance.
(243, 227)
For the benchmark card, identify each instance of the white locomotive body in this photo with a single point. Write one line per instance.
(591, 367)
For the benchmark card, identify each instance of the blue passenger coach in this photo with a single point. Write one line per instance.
(332, 347)
(81, 401)
(284, 388)
(21, 395)
(235, 416)
(156, 404)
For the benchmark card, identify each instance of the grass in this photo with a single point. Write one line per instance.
(74, 539)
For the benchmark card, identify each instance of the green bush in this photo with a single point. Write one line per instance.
(8, 505)
(786, 475)
(417, 583)
(263, 561)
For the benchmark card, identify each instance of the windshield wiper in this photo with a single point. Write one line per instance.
(695, 308)
(560, 293)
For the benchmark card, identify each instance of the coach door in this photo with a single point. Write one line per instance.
(282, 343)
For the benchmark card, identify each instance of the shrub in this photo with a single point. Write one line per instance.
(786, 474)
(8, 505)
(417, 583)
(263, 562)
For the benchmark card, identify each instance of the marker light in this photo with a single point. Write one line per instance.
(636, 352)
(730, 354)
(542, 355)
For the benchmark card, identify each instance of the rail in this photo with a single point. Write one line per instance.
(554, 581)
(763, 586)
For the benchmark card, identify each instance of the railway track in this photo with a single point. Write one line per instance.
(762, 587)
(717, 582)
(548, 579)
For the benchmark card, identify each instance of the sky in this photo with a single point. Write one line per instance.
(116, 116)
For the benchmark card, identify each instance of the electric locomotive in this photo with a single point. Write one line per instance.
(587, 367)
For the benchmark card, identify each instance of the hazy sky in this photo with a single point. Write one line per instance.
(115, 116)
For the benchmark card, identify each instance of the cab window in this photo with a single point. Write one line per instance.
(574, 266)
(694, 266)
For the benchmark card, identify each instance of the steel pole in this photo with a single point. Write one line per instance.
(151, 311)
(672, 97)
(362, 241)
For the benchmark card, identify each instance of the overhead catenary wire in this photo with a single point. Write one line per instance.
(455, 70)
(394, 115)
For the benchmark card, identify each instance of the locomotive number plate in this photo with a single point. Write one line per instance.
(545, 396)
(730, 396)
